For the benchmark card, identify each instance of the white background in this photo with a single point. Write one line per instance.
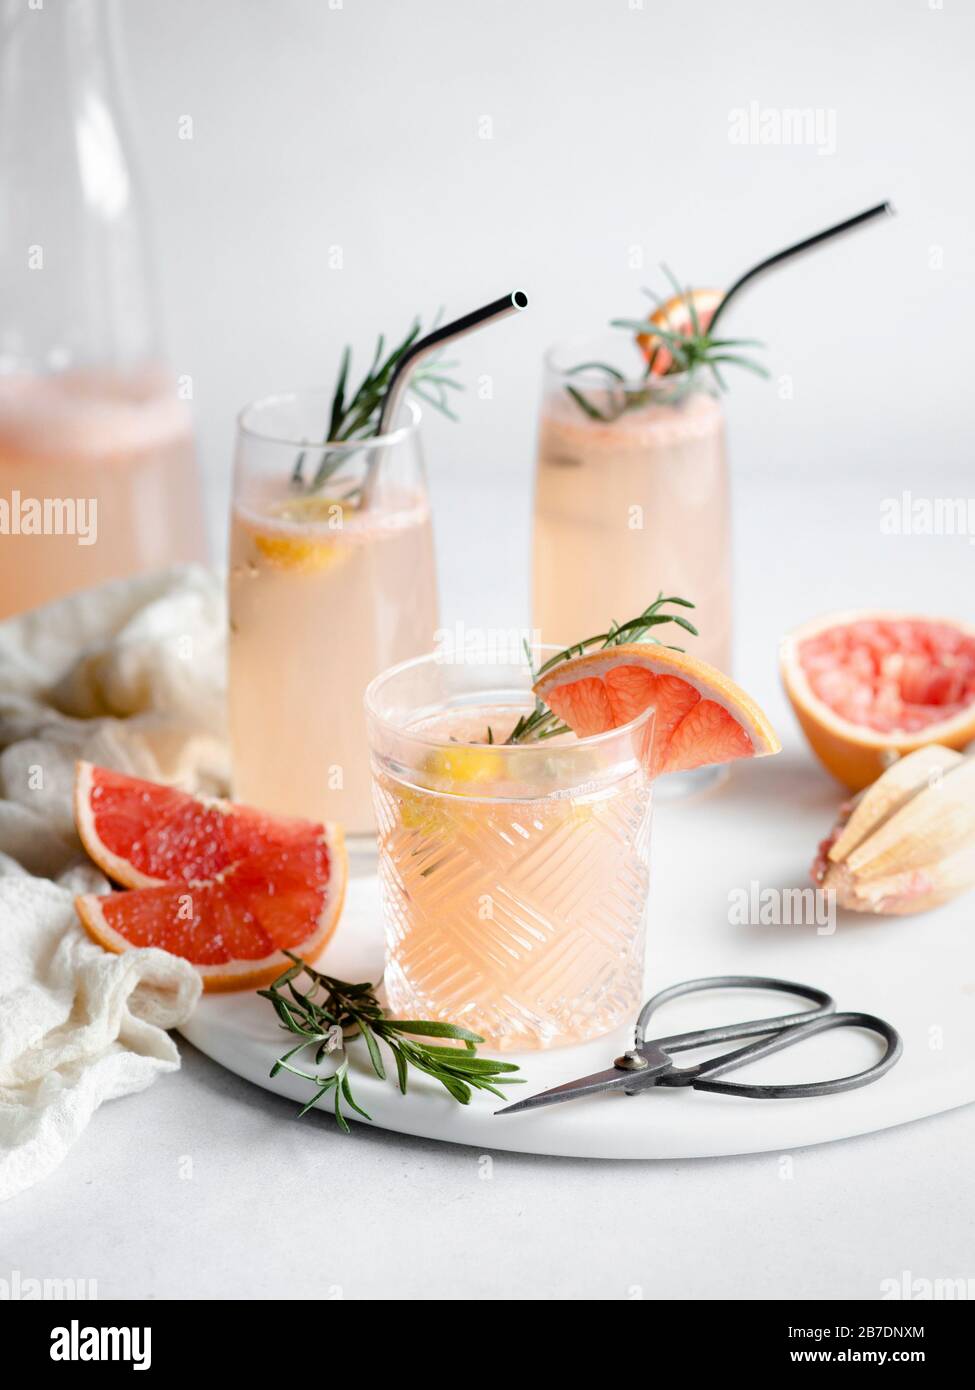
(359, 127)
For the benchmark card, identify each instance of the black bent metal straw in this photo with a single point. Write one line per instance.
(881, 210)
(511, 303)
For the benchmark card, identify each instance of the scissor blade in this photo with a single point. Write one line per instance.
(612, 1080)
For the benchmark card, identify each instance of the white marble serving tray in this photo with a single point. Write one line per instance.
(761, 828)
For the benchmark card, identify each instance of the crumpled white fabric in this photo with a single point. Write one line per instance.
(131, 676)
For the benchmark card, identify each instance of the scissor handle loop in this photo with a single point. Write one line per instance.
(680, 1041)
(701, 1078)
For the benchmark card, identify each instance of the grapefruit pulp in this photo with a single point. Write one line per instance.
(226, 887)
(869, 687)
(701, 716)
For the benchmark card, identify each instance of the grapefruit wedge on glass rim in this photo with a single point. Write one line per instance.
(226, 887)
(870, 686)
(676, 316)
(701, 716)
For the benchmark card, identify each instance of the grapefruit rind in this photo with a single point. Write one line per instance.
(855, 754)
(606, 689)
(118, 869)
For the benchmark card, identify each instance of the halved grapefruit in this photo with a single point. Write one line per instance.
(870, 686)
(226, 887)
(701, 716)
(675, 315)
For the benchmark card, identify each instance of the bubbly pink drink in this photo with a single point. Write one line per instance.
(630, 506)
(331, 581)
(315, 612)
(514, 877)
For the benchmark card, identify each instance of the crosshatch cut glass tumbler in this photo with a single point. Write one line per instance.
(514, 877)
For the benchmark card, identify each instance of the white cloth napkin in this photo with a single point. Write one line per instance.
(131, 676)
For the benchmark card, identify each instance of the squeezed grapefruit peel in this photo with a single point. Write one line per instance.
(906, 843)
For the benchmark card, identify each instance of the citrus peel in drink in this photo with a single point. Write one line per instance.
(701, 716)
(869, 687)
(458, 769)
(226, 887)
(305, 539)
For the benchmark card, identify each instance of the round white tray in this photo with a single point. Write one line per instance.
(761, 828)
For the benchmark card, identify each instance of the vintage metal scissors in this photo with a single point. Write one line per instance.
(648, 1062)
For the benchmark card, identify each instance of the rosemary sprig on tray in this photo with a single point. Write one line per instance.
(541, 722)
(689, 352)
(331, 1013)
(355, 416)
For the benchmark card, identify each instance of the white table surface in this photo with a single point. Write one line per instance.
(207, 1186)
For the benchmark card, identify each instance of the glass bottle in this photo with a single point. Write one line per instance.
(98, 476)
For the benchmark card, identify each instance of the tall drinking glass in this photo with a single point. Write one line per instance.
(631, 497)
(331, 580)
(514, 877)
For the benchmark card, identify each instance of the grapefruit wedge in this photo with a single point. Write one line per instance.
(141, 834)
(701, 715)
(226, 887)
(675, 315)
(870, 686)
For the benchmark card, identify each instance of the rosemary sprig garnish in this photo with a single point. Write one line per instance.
(690, 353)
(357, 416)
(333, 1012)
(541, 722)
